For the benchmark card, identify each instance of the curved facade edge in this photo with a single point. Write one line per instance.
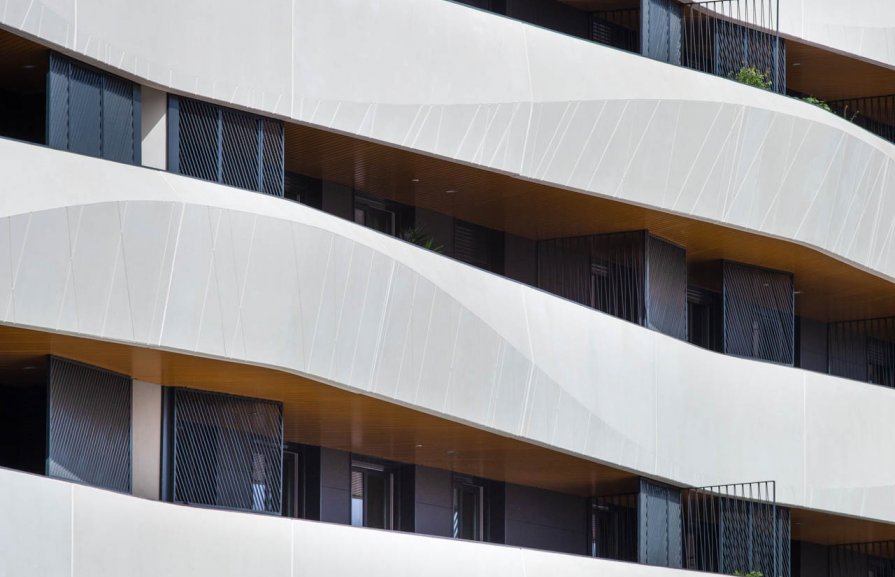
(52, 527)
(505, 96)
(120, 253)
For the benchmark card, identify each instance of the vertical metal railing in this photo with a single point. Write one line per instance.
(722, 37)
(736, 528)
(876, 113)
(862, 559)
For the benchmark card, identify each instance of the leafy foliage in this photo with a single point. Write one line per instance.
(818, 102)
(749, 574)
(418, 236)
(752, 76)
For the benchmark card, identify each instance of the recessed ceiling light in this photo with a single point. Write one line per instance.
(450, 452)
(451, 191)
(419, 446)
(414, 180)
(29, 66)
(29, 368)
(796, 63)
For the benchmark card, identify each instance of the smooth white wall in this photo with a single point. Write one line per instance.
(146, 440)
(466, 85)
(191, 266)
(55, 529)
(154, 127)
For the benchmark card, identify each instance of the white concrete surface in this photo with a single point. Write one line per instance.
(154, 127)
(470, 86)
(146, 442)
(65, 530)
(121, 253)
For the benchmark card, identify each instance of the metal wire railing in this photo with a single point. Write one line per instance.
(723, 37)
(862, 559)
(736, 528)
(863, 350)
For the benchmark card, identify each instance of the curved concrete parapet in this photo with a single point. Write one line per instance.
(60, 529)
(127, 254)
(446, 80)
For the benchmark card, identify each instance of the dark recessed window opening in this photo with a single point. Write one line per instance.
(468, 520)
(23, 415)
(294, 481)
(23, 89)
(372, 495)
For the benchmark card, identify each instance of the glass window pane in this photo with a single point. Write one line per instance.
(357, 498)
(376, 501)
(467, 519)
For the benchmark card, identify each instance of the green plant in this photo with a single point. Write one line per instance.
(817, 102)
(749, 574)
(752, 76)
(418, 236)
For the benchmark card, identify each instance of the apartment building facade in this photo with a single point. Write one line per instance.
(490, 287)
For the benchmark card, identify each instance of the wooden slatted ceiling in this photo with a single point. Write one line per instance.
(327, 416)
(831, 76)
(23, 64)
(830, 289)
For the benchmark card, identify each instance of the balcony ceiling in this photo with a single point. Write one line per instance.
(831, 76)
(23, 65)
(830, 289)
(327, 416)
(318, 414)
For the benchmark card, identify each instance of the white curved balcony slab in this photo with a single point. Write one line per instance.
(447, 80)
(127, 254)
(57, 529)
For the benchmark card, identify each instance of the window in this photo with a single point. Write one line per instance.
(374, 214)
(225, 451)
(92, 112)
(468, 517)
(479, 246)
(372, 495)
(613, 527)
(293, 483)
(704, 318)
(226, 146)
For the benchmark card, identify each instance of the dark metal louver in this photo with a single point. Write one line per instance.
(759, 313)
(666, 287)
(863, 350)
(661, 30)
(659, 529)
(92, 112)
(226, 146)
(723, 36)
(736, 528)
(630, 275)
(227, 451)
(89, 437)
